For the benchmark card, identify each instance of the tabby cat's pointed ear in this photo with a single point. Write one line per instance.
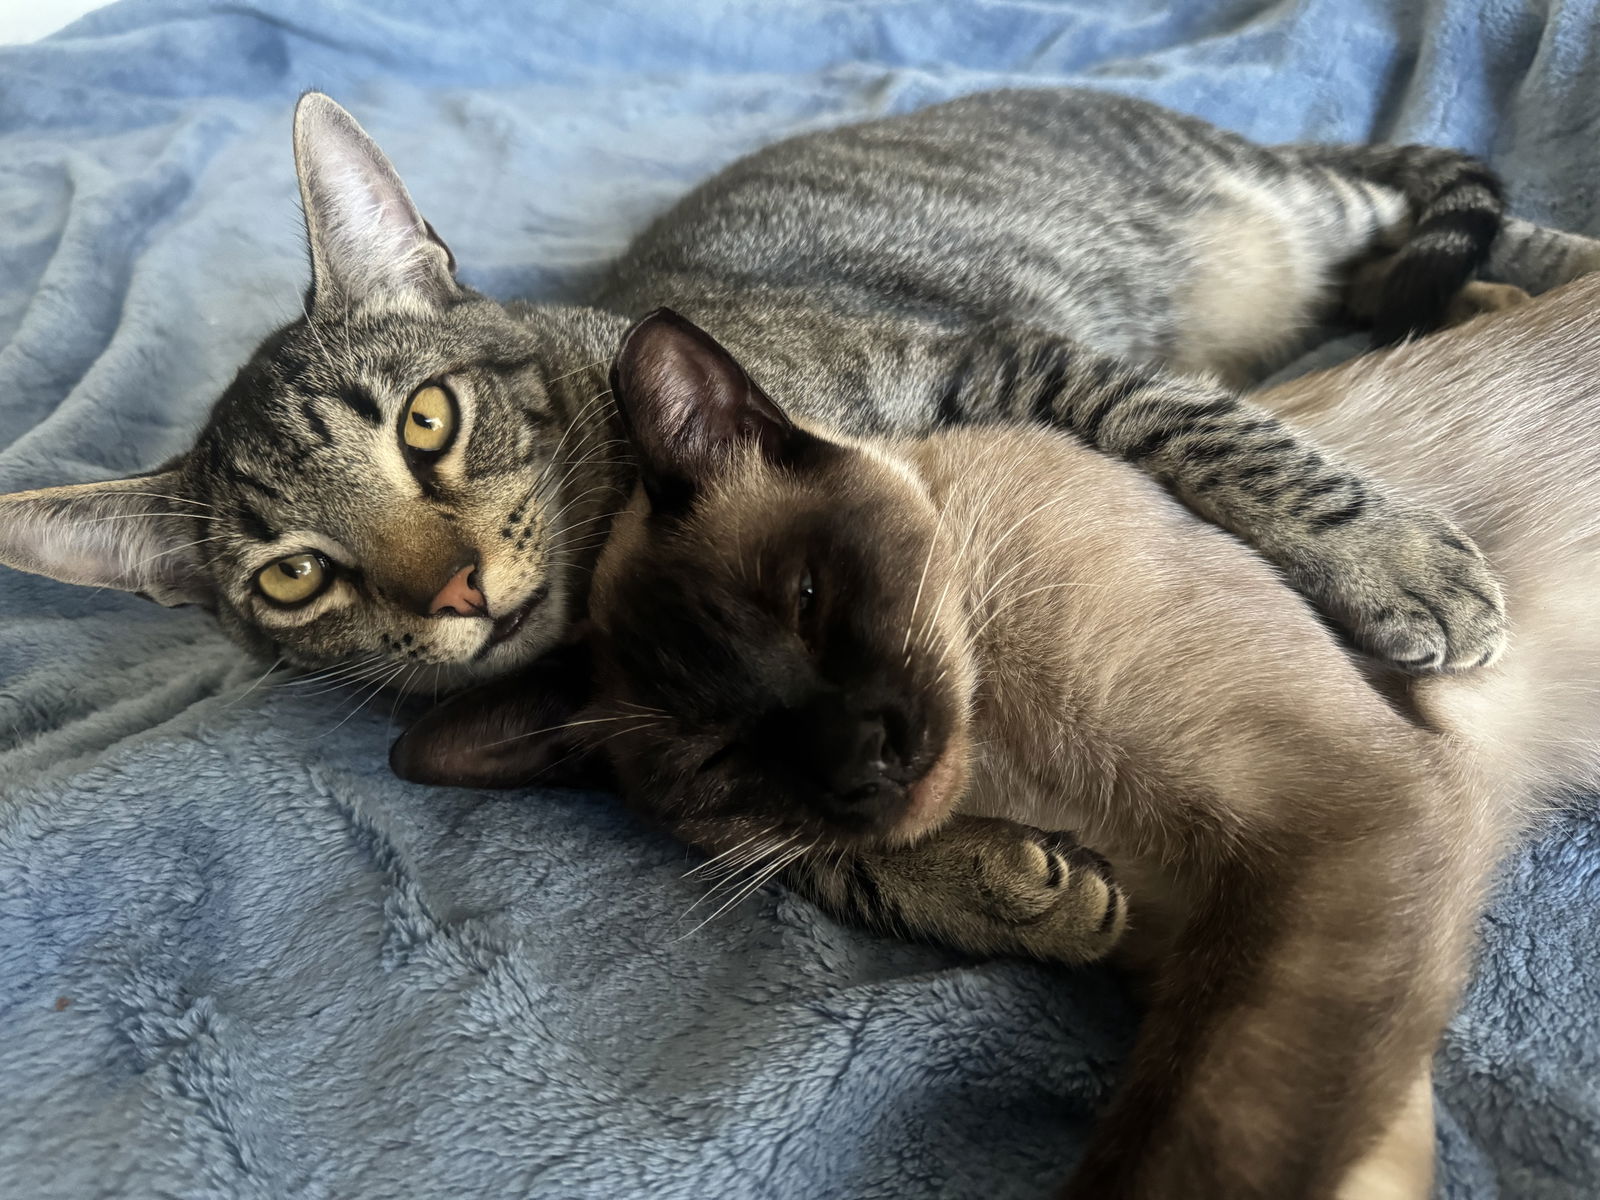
(134, 534)
(368, 242)
(687, 404)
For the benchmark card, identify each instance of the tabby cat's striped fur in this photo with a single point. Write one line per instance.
(1029, 255)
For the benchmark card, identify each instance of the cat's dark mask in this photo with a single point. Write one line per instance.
(768, 644)
(385, 483)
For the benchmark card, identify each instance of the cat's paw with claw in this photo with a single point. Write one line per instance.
(985, 886)
(1056, 898)
(1411, 589)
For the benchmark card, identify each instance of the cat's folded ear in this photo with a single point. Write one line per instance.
(369, 245)
(514, 732)
(687, 405)
(139, 535)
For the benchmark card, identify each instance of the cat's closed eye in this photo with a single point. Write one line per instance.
(806, 615)
(294, 580)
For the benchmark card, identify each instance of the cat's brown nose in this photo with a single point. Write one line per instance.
(460, 596)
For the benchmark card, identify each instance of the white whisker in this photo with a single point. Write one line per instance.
(259, 681)
(762, 878)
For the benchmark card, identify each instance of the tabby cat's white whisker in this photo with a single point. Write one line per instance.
(555, 518)
(399, 695)
(594, 366)
(146, 516)
(574, 425)
(364, 699)
(169, 497)
(589, 454)
(542, 483)
(611, 737)
(605, 516)
(354, 678)
(325, 673)
(644, 708)
(150, 558)
(260, 679)
(359, 697)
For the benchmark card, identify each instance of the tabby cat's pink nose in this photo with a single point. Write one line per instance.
(460, 596)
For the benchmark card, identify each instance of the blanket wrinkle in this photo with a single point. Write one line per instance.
(288, 974)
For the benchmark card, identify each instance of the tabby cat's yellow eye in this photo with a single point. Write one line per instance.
(295, 579)
(429, 422)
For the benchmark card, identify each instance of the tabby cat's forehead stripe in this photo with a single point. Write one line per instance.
(253, 524)
(237, 475)
(361, 403)
(510, 366)
(314, 421)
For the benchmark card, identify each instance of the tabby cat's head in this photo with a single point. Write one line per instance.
(776, 640)
(387, 479)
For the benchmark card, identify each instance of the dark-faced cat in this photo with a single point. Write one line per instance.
(841, 643)
(410, 481)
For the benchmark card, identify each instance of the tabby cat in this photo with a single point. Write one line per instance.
(410, 481)
(813, 650)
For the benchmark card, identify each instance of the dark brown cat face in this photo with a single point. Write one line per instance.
(773, 643)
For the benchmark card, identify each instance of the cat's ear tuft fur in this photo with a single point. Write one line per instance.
(514, 732)
(368, 242)
(687, 403)
(134, 534)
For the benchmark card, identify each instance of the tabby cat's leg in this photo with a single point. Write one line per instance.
(1400, 577)
(986, 887)
(1538, 259)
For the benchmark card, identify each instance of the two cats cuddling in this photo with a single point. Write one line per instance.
(925, 554)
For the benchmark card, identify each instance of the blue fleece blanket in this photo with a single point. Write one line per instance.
(238, 959)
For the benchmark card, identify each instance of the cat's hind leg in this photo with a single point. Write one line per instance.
(1272, 249)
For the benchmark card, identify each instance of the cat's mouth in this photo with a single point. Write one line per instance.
(508, 625)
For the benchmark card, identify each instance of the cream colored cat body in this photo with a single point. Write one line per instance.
(1162, 695)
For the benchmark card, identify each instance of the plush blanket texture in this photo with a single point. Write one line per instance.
(238, 959)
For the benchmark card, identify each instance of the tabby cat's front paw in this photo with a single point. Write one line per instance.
(1413, 590)
(978, 884)
(1056, 897)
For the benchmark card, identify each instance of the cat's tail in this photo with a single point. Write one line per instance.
(1454, 208)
